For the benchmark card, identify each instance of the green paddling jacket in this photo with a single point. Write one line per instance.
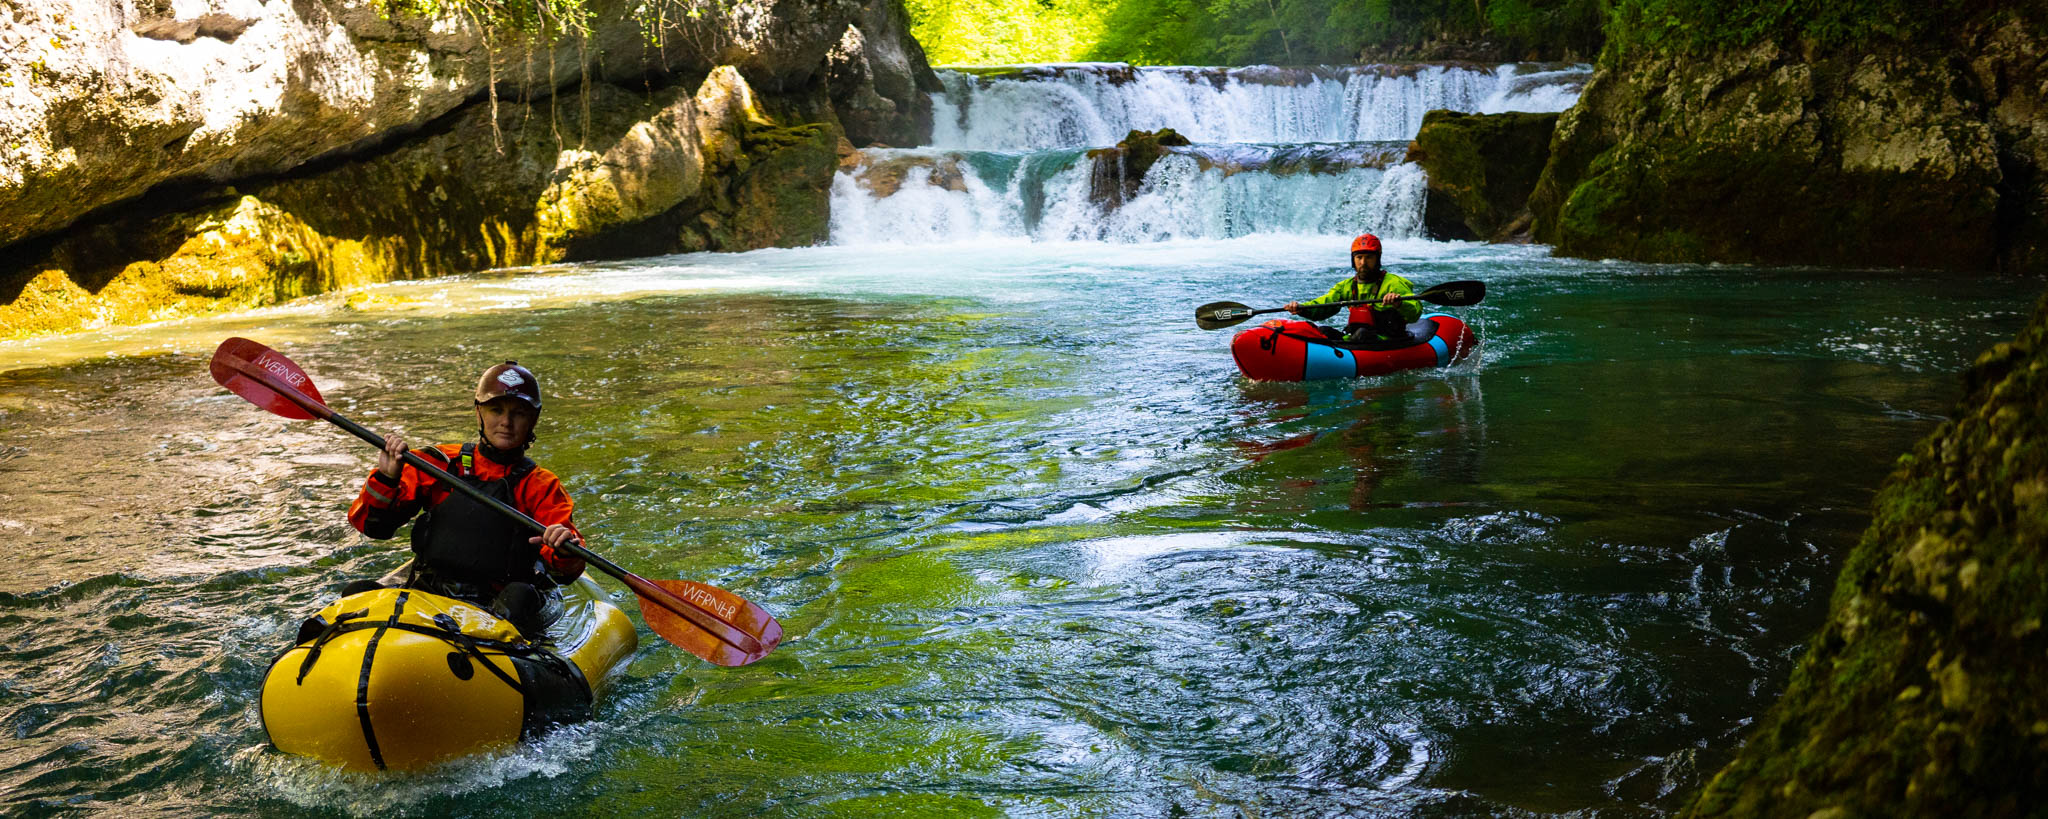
(1350, 289)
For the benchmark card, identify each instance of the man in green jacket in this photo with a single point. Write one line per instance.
(1389, 319)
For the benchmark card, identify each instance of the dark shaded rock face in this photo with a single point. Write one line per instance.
(1117, 173)
(1923, 693)
(1929, 155)
(1481, 170)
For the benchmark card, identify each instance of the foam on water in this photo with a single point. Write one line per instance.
(312, 785)
(1182, 197)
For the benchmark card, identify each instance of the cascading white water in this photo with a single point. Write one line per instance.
(1312, 151)
(1069, 106)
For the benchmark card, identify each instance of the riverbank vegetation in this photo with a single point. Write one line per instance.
(535, 20)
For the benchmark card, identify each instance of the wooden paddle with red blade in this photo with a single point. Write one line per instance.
(705, 620)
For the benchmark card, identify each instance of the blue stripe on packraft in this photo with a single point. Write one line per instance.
(1328, 362)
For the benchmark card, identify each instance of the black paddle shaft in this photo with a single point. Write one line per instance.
(1233, 316)
(1219, 315)
(326, 413)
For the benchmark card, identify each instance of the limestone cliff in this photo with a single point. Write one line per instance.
(171, 159)
(1919, 153)
(1921, 696)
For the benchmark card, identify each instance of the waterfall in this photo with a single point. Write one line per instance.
(1309, 151)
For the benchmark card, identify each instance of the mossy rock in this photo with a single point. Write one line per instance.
(1921, 695)
(1481, 168)
(1689, 203)
(784, 197)
(1780, 154)
(1117, 173)
(235, 253)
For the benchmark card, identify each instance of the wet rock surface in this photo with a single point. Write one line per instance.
(1921, 695)
(884, 175)
(881, 82)
(1117, 173)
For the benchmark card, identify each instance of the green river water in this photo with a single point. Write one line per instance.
(1038, 549)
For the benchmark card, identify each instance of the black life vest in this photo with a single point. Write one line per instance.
(463, 541)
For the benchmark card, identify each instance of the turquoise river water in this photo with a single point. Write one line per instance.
(1039, 550)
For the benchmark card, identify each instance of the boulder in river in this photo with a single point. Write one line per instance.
(1117, 173)
(882, 176)
(1481, 169)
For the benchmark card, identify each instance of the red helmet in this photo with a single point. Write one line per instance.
(509, 380)
(1365, 242)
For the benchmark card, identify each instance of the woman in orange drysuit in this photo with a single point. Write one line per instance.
(462, 548)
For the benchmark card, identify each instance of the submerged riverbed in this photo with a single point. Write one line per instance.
(1038, 549)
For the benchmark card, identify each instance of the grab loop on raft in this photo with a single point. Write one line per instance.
(330, 632)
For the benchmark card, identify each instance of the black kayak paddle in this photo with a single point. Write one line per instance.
(1221, 314)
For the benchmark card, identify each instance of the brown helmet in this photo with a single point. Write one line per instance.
(509, 380)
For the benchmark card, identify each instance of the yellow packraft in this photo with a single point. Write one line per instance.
(402, 679)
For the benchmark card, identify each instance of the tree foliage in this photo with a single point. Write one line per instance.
(1692, 25)
(1001, 32)
(1243, 32)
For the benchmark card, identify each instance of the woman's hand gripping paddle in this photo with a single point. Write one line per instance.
(1221, 314)
(707, 621)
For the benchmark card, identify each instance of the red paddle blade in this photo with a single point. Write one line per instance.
(249, 354)
(724, 628)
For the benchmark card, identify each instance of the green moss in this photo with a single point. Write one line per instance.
(1690, 26)
(910, 804)
(1683, 201)
(1482, 169)
(783, 195)
(1921, 696)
